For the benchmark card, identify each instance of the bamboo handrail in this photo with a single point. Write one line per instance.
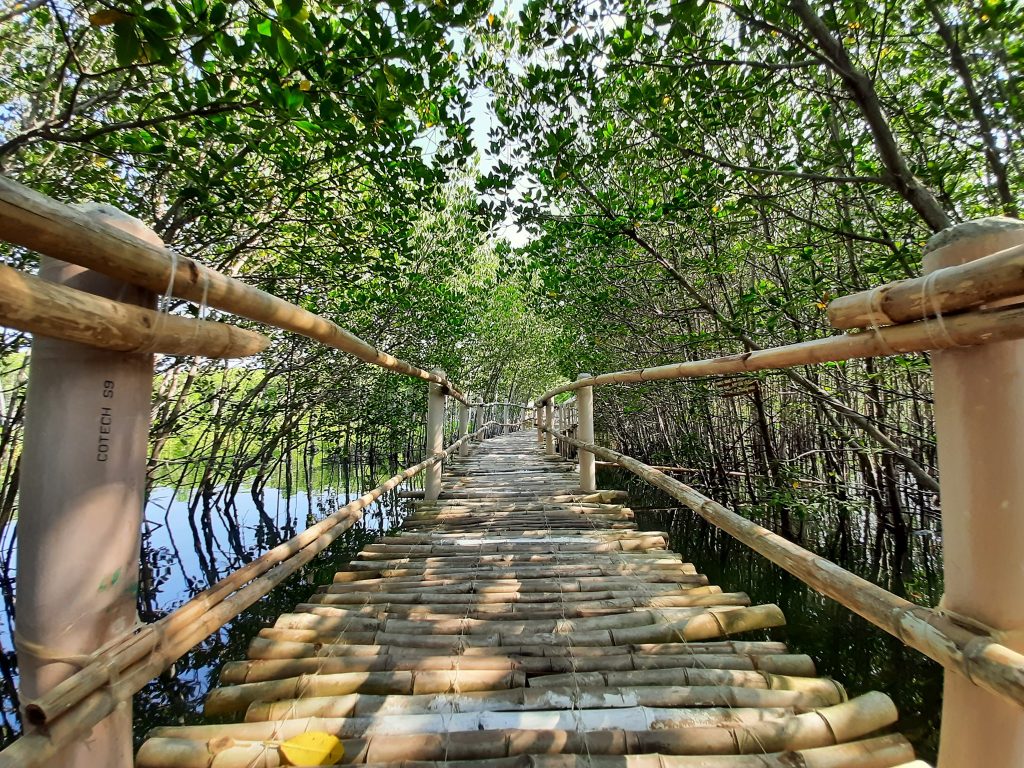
(965, 650)
(38, 306)
(35, 221)
(967, 329)
(947, 290)
(122, 669)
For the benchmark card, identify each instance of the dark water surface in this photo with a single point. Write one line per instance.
(188, 546)
(184, 551)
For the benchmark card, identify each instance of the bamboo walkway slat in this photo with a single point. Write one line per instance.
(518, 623)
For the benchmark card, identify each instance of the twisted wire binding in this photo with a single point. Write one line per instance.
(162, 307)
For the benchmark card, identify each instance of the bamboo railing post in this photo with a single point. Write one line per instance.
(435, 437)
(82, 494)
(538, 421)
(463, 428)
(549, 423)
(478, 420)
(585, 409)
(979, 422)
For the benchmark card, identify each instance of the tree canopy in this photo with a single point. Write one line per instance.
(686, 178)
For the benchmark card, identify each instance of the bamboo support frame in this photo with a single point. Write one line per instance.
(64, 232)
(38, 306)
(118, 672)
(307, 658)
(967, 651)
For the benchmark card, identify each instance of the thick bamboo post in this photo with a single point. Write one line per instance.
(538, 421)
(463, 428)
(479, 420)
(82, 493)
(979, 421)
(549, 423)
(585, 409)
(435, 437)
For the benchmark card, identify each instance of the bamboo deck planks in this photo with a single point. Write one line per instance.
(518, 623)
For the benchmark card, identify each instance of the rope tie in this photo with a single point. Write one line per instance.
(931, 301)
(203, 308)
(875, 299)
(49, 653)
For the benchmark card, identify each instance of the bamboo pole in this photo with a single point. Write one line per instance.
(235, 698)
(979, 424)
(734, 647)
(831, 725)
(529, 699)
(479, 418)
(585, 401)
(549, 423)
(113, 676)
(630, 718)
(878, 752)
(463, 428)
(65, 232)
(512, 599)
(321, 662)
(435, 437)
(974, 654)
(943, 291)
(708, 625)
(967, 329)
(43, 308)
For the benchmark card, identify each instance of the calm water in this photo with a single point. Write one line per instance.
(184, 552)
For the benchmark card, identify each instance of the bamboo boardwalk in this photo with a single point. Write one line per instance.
(516, 622)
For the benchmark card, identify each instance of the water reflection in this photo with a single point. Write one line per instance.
(189, 543)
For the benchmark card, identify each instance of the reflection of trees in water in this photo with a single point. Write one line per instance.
(220, 533)
(223, 539)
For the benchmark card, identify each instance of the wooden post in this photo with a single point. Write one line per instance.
(82, 493)
(538, 421)
(549, 423)
(463, 428)
(979, 422)
(435, 437)
(585, 433)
